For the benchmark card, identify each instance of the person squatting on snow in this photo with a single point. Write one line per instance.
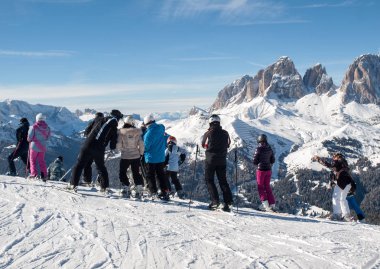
(21, 147)
(87, 170)
(342, 186)
(264, 159)
(38, 135)
(131, 146)
(154, 155)
(103, 132)
(173, 160)
(216, 141)
(56, 170)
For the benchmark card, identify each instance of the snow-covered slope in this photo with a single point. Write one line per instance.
(42, 227)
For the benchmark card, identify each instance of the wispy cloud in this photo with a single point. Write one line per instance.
(204, 59)
(59, 1)
(330, 5)
(234, 12)
(257, 64)
(52, 53)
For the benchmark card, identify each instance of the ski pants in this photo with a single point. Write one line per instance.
(35, 158)
(87, 171)
(263, 186)
(220, 171)
(135, 166)
(85, 156)
(174, 177)
(22, 153)
(153, 170)
(339, 201)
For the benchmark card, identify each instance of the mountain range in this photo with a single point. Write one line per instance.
(301, 115)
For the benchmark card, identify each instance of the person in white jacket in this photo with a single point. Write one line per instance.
(131, 146)
(173, 160)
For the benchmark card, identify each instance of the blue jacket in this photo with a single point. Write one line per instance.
(155, 143)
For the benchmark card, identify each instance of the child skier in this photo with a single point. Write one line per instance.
(56, 170)
(38, 135)
(173, 158)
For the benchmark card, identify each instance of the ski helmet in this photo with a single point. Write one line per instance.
(172, 139)
(129, 120)
(262, 138)
(117, 114)
(24, 120)
(99, 115)
(148, 119)
(40, 117)
(214, 118)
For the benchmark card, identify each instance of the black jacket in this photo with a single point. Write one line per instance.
(341, 171)
(216, 141)
(263, 157)
(103, 131)
(21, 136)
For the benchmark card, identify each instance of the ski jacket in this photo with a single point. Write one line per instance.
(91, 125)
(104, 131)
(263, 157)
(216, 141)
(155, 143)
(56, 170)
(22, 136)
(38, 135)
(130, 143)
(341, 171)
(172, 154)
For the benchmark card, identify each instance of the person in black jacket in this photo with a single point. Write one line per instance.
(216, 141)
(342, 183)
(87, 170)
(21, 147)
(264, 159)
(104, 131)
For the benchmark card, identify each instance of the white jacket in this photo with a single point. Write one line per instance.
(173, 158)
(130, 143)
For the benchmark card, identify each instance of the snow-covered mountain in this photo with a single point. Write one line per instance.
(43, 227)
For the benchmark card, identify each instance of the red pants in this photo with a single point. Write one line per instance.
(263, 186)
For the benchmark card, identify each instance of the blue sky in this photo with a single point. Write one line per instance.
(143, 56)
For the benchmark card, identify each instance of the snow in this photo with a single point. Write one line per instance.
(43, 227)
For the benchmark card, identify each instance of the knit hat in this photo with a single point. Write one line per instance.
(40, 117)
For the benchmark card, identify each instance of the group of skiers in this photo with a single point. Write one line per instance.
(154, 155)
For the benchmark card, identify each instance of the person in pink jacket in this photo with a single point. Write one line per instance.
(38, 135)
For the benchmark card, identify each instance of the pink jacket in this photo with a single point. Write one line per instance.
(38, 135)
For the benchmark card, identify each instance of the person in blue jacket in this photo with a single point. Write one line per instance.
(154, 155)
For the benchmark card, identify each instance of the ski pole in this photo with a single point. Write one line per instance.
(236, 184)
(65, 174)
(195, 166)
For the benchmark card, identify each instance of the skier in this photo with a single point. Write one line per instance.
(56, 170)
(342, 183)
(154, 155)
(131, 146)
(264, 159)
(173, 158)
(21, 148)
(38, 135)
(216, 141)
(87, 170)
(104, 131)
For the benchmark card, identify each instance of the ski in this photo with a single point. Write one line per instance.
(67, 190)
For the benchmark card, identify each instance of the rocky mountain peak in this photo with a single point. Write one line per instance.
(316, 80)
(362, 80)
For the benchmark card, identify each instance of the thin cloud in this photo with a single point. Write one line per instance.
(227, 11)
(257, 64)
(59, 1)
(53, 53)
(328, 5)
(204, 59)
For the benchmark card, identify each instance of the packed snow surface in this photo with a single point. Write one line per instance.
(44, 227)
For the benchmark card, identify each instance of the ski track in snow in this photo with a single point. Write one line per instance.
(43, 227)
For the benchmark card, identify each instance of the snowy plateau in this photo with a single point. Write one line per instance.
(44, 227)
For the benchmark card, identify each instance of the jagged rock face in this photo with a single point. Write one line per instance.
(362, 81)
(225, 96)
(282, 79)
(316, 79)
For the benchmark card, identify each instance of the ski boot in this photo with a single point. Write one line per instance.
(181, 194)
(213, 205)
(124, 191)
(72, 188)
(11, 174)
